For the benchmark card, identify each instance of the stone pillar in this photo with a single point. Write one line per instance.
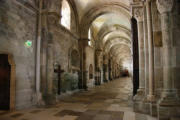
(167, 106)
(151, 96)
(50, 68)
(106, 68)
(83, 43)
(98, 66)
(138, 12)
(50, 19)
(110, 69)
(38, 54)
(146, 53)
(50, 97)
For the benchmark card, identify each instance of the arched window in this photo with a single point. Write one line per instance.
(66, 14)
(89, 37)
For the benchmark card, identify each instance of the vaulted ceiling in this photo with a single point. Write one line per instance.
(111, 29)
(85, 5)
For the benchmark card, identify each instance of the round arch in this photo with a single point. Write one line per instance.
(116, 47)
(114, 34)
(74, 16)
(95, 12)
(115, 41)
(109, 29)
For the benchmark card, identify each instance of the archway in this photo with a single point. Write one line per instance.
(95, 12)
(7, 82)
(135, 56)
(66, 15)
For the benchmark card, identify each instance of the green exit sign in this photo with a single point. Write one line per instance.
(28, 43)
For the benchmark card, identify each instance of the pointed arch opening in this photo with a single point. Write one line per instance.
(66, 15)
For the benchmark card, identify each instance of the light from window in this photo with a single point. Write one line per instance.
(89, 34)
(66, 14)
(89, 43)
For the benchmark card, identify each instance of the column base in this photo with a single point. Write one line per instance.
(39, 99)
(153, 109)
(141, 107)
(169, 97)
(140, 95)
(49, 99)
(168, 105)
(151, 98)
(140, 103)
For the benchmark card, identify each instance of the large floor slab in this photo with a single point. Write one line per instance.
(110, 101)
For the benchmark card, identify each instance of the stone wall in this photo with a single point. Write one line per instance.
(90, 61)
(176, 43)
(17, 25)
(158, 60)
(63, 44)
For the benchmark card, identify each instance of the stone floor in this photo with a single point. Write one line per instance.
(110, 101)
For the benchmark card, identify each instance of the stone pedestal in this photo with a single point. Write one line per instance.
(141, 106)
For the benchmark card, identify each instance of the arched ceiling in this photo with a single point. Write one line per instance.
(109, 44)
(86, 5)
(115, 34)
(122, 52)
(109, 21)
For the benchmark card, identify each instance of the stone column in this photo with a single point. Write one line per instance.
(50, 68)
(138, 12)
(98, 66)
(169, 100)
(165, 8)
(50, 19)
(146, 52)
(38, 54)
(50, 97)
(150, 96)
(83, 43)
(110, 69)
(106, 68)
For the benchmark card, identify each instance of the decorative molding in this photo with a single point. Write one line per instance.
(164, 5)
(53, 18)
(11, 62)
(27, 5)
(138, 13)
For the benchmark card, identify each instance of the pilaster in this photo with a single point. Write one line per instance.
(169, 103)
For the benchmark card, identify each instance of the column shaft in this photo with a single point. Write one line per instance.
(151, 53)
(141, 56)
(146, 54)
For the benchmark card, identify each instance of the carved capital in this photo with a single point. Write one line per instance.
(165, 5)
(54, 6)
(53, 18)
(138, 13)
(99, 52)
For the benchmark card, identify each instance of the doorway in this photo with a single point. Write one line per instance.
(135, 56)
(5, 71)
(7, 82)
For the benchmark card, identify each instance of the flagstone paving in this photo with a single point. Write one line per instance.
(110, 101)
